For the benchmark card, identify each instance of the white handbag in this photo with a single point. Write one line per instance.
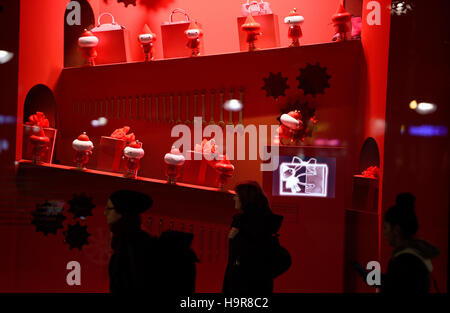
(254, 7)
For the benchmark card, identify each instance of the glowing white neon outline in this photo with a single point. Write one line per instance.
(324, 192)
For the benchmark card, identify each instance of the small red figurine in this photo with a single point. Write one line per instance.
(225, 170)
(83, 150)
(174, 160)
(88, 45)
(147, 38)
(340, 22)
(252, 29)
(193, 34)
(294, 128)
(294, 20)
(40, 144)
(291, 124)
(133, 153)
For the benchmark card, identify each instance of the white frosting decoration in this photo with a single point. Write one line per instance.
(294, 20)
(81, 145)
(174, 159)
(146, 38)
(88, 41)
(289, 121)
(192, 33)
(135, 153)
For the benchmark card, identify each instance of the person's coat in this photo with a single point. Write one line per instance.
(409, 269)
(150, 265)
(249, 269)
(134, 260)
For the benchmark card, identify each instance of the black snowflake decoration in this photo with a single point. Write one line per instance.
(275, 85)
(48, 217)
(81, 206)
(76, 236)
(313, 79)
(309, 118)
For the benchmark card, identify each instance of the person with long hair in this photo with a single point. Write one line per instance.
(250, 241)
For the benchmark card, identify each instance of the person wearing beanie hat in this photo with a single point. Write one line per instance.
(409, 269)
(142, 264)
(133, 265)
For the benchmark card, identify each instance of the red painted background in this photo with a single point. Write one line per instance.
(352, 109)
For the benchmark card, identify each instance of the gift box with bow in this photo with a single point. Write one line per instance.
(303, 178)
(199, 165)
(111, 150)
(31, 127)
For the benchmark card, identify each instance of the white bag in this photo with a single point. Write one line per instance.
(254, 7)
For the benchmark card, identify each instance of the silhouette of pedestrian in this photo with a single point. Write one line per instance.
(253, 244)
(142, 264)
(410, 265)
(132, 265)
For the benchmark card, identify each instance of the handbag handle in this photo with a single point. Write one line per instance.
(188, 19)
(261, 2)
(106, 13)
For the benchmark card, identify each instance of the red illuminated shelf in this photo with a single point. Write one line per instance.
(235, 55)
(183, 201)
(90, 172)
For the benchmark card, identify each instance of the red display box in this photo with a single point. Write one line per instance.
(110, 154)
(270, 37)
(199, 172)
(365, 193)
(27, 147)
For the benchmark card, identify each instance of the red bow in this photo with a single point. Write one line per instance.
(121, 133)
(38, 119)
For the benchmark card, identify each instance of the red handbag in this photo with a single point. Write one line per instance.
(113, 42)
(173, 38)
